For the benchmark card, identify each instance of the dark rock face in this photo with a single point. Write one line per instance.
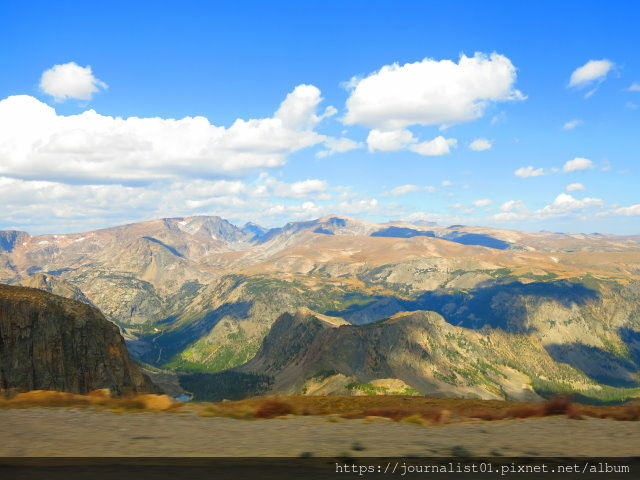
(49, 342)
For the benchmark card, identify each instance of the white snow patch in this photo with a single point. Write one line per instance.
(43, 242)
(555, 259)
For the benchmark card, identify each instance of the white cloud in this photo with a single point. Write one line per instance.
(338, 145)
(54, 207)
(437, 146)
(627, 211)
(576, 164)
(573, 187)
(405, 189)
(565, 204)
(38, 143)
(572, 124)
(389, 141)
(393, 140)
(298, 110)
(529, 171)
(442, 218)
(511, 210)
(480, 144)
(70, 80)
(500, 117)
(507, 216)
(514, 206)
(634, 87)
(358, 206)
(206, 188)
(300, 189)
(446, 183)
(311, 209)
(431, 92)
(225, 200)
(483, 202)
(591, 71)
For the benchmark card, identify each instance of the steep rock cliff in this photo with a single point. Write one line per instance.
(49, 342)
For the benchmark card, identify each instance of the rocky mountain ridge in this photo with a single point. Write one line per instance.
(198, 294)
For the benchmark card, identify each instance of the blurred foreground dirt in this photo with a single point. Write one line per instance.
(76, 432)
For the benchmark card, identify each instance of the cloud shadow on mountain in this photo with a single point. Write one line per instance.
(598, 364)
(502, 306)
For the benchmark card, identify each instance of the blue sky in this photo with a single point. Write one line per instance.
(293, 110)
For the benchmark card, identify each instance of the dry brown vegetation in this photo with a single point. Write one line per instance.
(413, 409)
(409, 409)
(97, 398)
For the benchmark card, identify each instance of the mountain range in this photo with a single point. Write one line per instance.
(341, 305)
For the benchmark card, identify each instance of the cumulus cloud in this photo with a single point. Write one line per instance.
(432, 218)
(70, 80)
(529, 171)
(431, 92)
(514, 206)
(634, 87)
(570, 125)
(577, 164)
(627, 211)
(405, 189)
(446, 183)
(298, 110)
(300, 189)
(511, 210)
(573, 187)
(310, 209)
(574, 165)
(482, 202)
(565, 204)
(337, 145)
(389, 141)
(437, 146)
(38, 143)
(480, 144)
(53, 207)
(593, 70)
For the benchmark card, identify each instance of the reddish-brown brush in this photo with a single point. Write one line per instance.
(559, 406)
(273, 408)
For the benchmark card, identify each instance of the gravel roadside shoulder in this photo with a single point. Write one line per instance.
(77, 432)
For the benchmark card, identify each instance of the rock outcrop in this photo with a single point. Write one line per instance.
(55, 285)
(49, 342)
